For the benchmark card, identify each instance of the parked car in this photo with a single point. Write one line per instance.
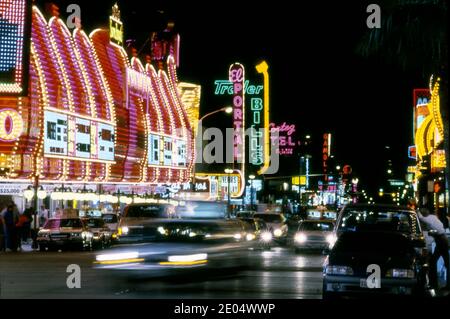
(64, 233)
(380, 238)
(314, 235)
(101, 234)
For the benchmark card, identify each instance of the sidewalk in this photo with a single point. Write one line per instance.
(26, 248)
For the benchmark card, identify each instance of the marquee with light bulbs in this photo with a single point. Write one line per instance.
(90, 113)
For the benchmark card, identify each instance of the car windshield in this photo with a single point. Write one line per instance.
(379, 220)
(60, 223)
(249, 224)
(110, 218)
(94, 222)
(270, 218)
(316, 226)
(148, 211)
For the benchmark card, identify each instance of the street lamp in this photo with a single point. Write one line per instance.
(226, 109)
(229, 171)
(251, 177)
(338, 168)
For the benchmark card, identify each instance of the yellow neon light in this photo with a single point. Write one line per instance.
(420, 137)
(183, 263)
(119, 261)
(262, 68)
(435, 108)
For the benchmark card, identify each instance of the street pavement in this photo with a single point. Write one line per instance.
(279, 273)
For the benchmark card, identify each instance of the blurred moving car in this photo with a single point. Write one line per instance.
(315, 235)
(257, 231)
(64, 233)
(101, 234)
(131, 225)
(179, 247)
(276, 223)
(370, 237)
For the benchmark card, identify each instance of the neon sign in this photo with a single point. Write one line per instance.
(421, 98)
(226, 87)
(237, 77)
(326, 148)
(11, 125)
(115, 26)
(12, 53)
(256, 147)
(285, 140)
(68, 135)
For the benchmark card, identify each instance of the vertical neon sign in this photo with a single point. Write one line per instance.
(237, 78)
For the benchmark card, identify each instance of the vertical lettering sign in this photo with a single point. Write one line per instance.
(421, 98)
(13, 43)
(237, 78)
(325, 154)
(256, 143)
(256, 115)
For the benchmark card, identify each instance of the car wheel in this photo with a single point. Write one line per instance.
(42, 247)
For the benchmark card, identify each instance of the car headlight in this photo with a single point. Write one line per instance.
(266, 236)
(249, 237)
(75, 234)
(339, 270)
(400, 273)
(237, 236)
(122, 230)
(277, 232)
(300, 238)
(86, 235)
(331, 239)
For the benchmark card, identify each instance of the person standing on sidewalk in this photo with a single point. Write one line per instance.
(10, 218)
(436, 230)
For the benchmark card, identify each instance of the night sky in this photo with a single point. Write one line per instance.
(318, 80)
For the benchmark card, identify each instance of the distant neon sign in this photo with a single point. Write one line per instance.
(285, 140)
(115, 26)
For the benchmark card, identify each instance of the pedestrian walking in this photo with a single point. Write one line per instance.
(435, 229)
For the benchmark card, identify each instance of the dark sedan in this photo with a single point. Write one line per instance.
(380, 250)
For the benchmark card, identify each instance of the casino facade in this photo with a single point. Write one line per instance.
(77, 110)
